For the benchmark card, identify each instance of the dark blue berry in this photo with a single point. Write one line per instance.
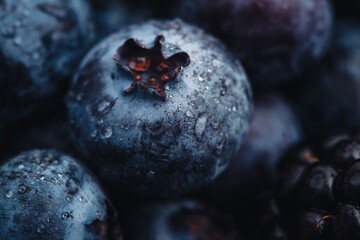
(41, 42)
(179, 220)
(47, 195)
(275, 40)
(141, 140)
(329, 98)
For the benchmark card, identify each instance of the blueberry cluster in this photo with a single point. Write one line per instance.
(179, 120)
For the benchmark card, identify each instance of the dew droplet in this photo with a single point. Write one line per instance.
(216, 100)
(106, 132)
(97, 213)
(21, 166)
(72, 185)
(216, 63)
(17, 41)
(80, 97)
(40, 228)
(201, 77)
(104, 107)
(150, 174)
(9, 194)
(189, 114)
(93, 133)
(200, 126)
(35, 56)
(65, 215)
(55, 180)
(22, 189)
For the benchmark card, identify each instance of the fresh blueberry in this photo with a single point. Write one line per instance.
(182, 219)
(274, 39)
(41, 42)
(329, 99)
(159, 108)
(47, 195)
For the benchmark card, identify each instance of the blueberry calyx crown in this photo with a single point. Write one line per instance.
(151, 70)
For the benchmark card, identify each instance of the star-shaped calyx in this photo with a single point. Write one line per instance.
(151, 70)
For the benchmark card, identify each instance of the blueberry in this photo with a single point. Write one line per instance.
(182, 219)
(274, 39)
(329, 98)
(182, 117)
(41, 42)
(47, 195)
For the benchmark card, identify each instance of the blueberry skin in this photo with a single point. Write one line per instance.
(47, 195)
(181, 220)
(274, 39)
(154, 146)
(41, 42)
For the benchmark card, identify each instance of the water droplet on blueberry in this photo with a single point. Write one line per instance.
(65, 215)
(22, 189)
(189, 114)
(93, 133)
(106, 132)
(9, 194)
(201, 77)
(72, 185)
(200, 126)
(17, 41)
(40, 228)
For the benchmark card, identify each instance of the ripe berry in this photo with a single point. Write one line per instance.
(274, 39)
(48, 195)
(159, 107)
(329, 97)
(41, 42)
(181, 220)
